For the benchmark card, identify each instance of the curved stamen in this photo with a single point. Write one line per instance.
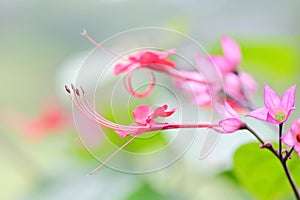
(89, 38)
(129, 87)
(85, 108)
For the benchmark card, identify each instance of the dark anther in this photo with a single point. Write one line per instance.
(77, 92)
(67, 89)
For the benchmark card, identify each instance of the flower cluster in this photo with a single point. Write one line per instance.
(226, 83)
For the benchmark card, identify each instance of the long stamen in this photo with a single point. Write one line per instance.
(112, 155)
(84, 107)
(83, 110)
(89, 38)
(92, 111)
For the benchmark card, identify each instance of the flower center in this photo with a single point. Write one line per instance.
(298, 138)
(280, 116)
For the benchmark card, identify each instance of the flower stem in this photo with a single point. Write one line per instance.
(292, 183)
(284, 165)
(288, 154)
(255, 134)
(279, 140)
(282, 159)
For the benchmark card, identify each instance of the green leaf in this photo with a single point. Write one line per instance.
(146, 192)
(261, 173)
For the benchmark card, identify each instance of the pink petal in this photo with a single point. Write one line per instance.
(288, 114)
(161, 112)
(297, 149)
(222, 64)
(121, 67)
(229, 126)
(229, 112)
(260, 114)
(141, 114)
(202, 99)
(289, 138)
(210, 71)
(148, 57)
(232, 52)
(233, 86)
(144, 58)
(248, 82)
(296, 126)
(225, 111)
(165, 54)
(288, 98)
(272, 101)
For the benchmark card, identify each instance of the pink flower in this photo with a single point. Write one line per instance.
(232, 56)
(155, 60)
(292, 137)
(277, 110)
(52, 118)
(144, 117)
(198, 90)
(231, 122)
(236, 85)
(151, 59)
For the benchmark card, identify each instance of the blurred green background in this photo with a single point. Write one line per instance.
(38, 38)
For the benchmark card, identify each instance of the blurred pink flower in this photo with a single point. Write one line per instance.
(198, 90)
(236, 85)
(292, 137)
(52, 118)
(231, 58)
(277, 110)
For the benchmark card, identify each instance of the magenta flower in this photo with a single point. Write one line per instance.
(292, 137)
(231, 122)
(150, 59)
(277, 110)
